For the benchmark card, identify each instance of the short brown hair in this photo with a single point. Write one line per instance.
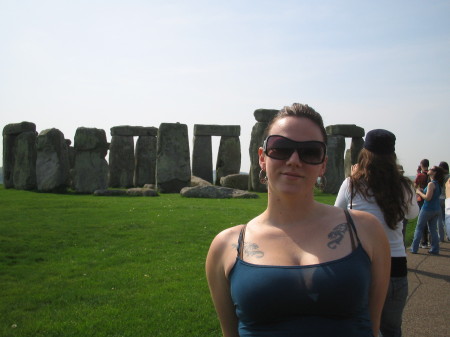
(300, 111)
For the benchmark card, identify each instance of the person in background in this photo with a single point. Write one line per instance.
(430, 211)
(300, 268)
(377, 187)
(421, 181)
(441, 223)
(447, 206)
(405, 221)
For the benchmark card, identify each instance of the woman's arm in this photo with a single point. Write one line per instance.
(342, 197)
(413, 207)
(376, 244)
(429, 194)
(218, 283)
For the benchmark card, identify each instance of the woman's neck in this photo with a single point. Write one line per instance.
(286, 210)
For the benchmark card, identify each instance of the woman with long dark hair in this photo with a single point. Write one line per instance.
(376, 186)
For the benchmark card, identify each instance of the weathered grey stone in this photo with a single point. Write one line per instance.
(347, 163)
(228, 158)
(256, 141)
(8, 160)
(356, 146)
(216, 192)
(141, 192)
(17, 128)
(237, 181)
(196, 181)
(52, 162)
(121, 161)
(24, 171)
(110, 193)
(346, 130)
(90, 171)
(150, 186)
(145, 157)
(217, 130)
(265, 115)
(10, 142)
(202, 165)
(91, 139)
(335, 166)
(351, 155)
(173, 168)
(127, 130)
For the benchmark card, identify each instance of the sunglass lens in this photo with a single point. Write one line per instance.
(279, 147)
(312, 153)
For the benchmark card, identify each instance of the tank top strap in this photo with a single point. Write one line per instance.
(352, 229)
(240, 245)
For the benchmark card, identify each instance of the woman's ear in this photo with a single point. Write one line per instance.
(262, 159)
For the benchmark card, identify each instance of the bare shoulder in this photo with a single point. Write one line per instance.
(370, 231)
(226, 237)
(222, 252)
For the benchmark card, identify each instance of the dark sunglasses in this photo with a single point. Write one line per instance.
(310, 152)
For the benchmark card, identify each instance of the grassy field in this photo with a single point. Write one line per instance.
(80, 265)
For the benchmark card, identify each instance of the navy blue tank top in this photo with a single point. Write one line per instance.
(326, 299)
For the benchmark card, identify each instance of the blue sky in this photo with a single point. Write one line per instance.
(383, 64)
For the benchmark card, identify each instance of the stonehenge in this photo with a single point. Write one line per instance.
(339, 163)
(149, 156)
(263, 117)
(19, 156)
(52, 162)
(228, 158)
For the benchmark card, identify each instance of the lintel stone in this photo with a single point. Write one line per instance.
(346, 130)
(265, 115)
(127, 130)
(17, 128)
(217, 130)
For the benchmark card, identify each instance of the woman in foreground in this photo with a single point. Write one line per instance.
(301, 268)
(376, 186)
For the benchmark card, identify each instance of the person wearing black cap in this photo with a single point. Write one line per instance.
(377, 187)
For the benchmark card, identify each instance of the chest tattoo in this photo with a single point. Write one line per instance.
(336, 235)
(251, 249)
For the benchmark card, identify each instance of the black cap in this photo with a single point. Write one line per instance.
(380, 141)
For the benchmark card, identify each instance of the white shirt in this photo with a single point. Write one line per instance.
(395, 236)
(447, 214)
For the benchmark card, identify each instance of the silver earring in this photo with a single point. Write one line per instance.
(321, 182)
(262, 177)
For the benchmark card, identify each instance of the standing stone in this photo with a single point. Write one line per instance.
(228, 158)
(121, 161)
(263, 118)
(173, 168)
(52, 162)
(335, 166)
(348, 163)
(91, 170)
(355, 148)
(202, 166)
(10, 134)
(145, 156)
(24, 173)
(256, 142)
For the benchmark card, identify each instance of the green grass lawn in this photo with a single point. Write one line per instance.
(80, 265)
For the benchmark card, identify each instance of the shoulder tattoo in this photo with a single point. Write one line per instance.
(251, 249)
(336, 235)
